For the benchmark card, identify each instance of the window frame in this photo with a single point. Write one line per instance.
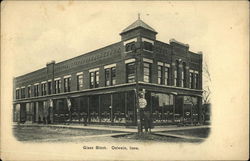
(130, 72)
(67, 84)
(79, 82)
(149, 74)
(160, 73)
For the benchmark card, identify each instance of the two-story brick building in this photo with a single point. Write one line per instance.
(99, 86)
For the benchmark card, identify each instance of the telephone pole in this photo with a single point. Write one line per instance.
(138, 110)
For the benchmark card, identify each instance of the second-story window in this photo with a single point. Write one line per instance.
(160, 74)
(67, 82)
(167, 73)
(107, 77)
(22, 92)
(130, 46)
(36, 90)
(49, 87)
(175, 78)
(113, 76)
(147, 46)
(147, 72)
(29, 91)
(97, 79)
(191, 80)
(79, 82)
(43, 87)
(57, 86)
(17, 93)
(196, 80)
(184, 75)
(94, 78)
(110, 75)
(130, 72)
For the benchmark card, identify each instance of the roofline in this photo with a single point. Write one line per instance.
(56, 63)
(123, 32)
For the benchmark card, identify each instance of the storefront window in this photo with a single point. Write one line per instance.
(162, 107)
(190, 108)
(94, 108)
(118, 108)
(130, 107)
(105, 108)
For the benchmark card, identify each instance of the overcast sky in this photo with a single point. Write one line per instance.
(38, 32)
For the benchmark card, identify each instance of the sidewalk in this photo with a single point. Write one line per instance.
(116, 128)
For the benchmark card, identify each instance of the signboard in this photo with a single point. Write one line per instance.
(142, 103)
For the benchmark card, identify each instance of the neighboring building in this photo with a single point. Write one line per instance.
(99, 86)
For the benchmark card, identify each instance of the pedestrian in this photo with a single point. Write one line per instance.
(147, 121)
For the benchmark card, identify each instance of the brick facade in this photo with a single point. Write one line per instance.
(174, 55)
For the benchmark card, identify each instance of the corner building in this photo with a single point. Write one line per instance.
(99, 87)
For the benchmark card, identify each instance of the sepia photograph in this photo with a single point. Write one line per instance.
(127, 80)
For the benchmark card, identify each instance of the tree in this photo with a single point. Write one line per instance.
(207, 81)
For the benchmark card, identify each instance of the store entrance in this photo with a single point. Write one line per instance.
(178, 109)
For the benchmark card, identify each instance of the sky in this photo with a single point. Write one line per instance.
(34, 33)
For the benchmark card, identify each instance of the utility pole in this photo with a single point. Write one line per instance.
(138, 110)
